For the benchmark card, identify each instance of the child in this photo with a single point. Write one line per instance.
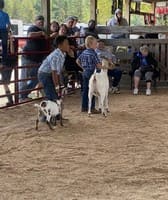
(88, 61)
(54, 29)
(51, 68)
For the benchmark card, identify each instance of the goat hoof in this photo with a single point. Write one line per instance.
(89, 114)
(104, 115)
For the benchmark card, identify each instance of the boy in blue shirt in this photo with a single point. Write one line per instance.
(51, 68)
(88, 61)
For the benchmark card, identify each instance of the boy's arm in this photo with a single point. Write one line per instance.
(78, 63)
(36, 34)
(55, 78)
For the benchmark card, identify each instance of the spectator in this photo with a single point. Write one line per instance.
(72, 68)
(54, 29)
(69, 24)
(50, 70)
(4, 29)
(91, 29)
(63, 30)
(115, 73)
(88, 61)
(118, 20)
(7, 60)
(143, 65)
(37, 32)
(71, 31)
(75, 29)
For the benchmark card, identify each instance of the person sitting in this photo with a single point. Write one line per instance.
(91, 30)
(115, 73)
(71, 68)
(118, 20)
(143, 65)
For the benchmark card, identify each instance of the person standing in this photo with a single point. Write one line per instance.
(88, 61)
(36, 43)
(49, 73)
(4, 29)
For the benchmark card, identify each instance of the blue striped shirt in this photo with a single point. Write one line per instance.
(89, 59)
(4, 20)
(53, 62)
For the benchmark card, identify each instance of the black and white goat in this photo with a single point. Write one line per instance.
(50, 111)
(99, 86)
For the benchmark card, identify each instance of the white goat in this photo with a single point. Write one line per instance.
(99, 86)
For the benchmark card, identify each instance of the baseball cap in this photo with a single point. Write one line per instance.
(39, 17)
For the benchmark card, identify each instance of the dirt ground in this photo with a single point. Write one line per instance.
(121, 157)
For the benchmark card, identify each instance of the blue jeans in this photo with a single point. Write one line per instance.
(116, 74)
(4, 39)
(85, 93)
(27, 73)
(48, 84)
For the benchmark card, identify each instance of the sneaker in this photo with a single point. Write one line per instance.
(84, 110)
(135, 92)
(115, 90)
(148, 92)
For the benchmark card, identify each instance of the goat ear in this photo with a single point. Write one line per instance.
(43, 104)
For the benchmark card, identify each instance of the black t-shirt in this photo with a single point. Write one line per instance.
(35, 45)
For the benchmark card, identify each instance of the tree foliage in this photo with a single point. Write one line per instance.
(104, 11)
(26, 10)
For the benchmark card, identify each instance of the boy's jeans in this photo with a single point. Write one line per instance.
(49, 88)
(85, 93)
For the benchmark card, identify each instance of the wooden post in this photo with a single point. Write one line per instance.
(45, 10)
(93, 10)
(127, 10)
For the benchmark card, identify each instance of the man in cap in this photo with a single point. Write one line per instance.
(37, 32)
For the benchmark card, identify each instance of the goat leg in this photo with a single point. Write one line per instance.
(49, 125)
(37, 122)
(61, 121)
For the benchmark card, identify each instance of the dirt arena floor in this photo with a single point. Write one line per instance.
(121, 157)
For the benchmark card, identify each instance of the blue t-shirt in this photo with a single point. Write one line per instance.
(4, 20)
(143, 61)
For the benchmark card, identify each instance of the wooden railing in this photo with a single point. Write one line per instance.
(159, 47)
